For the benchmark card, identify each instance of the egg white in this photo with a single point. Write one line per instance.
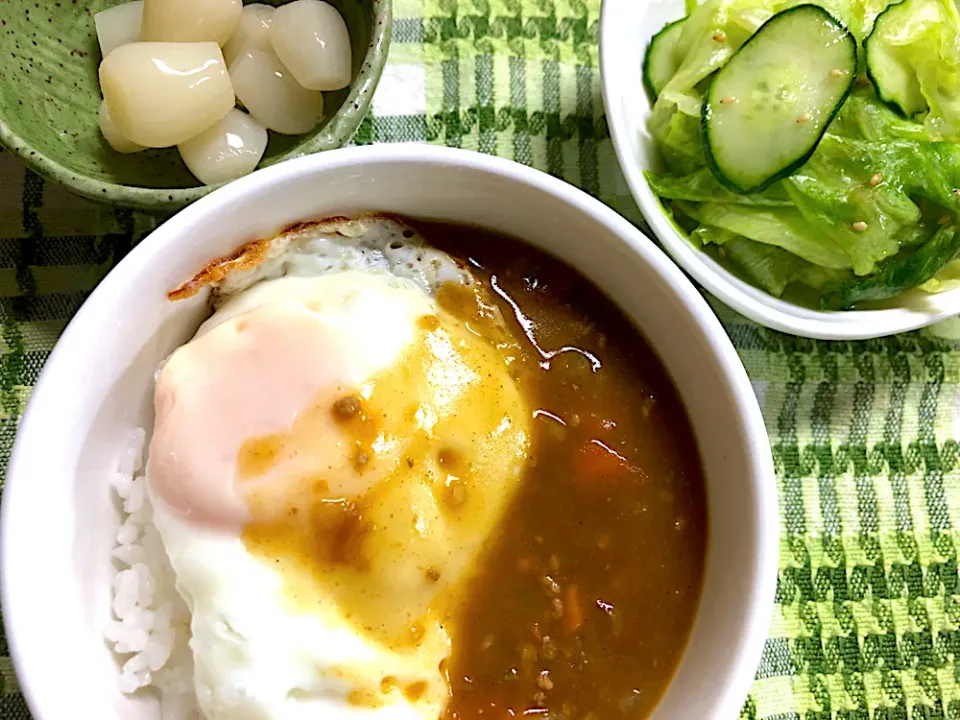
(254, 658)
(369, 280)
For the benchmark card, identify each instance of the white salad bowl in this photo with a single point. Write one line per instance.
(59, 519)
(626, 27)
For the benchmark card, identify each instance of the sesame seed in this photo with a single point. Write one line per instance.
(876, 179)
(806, 117)
(836, 72)
(720, 36)
(860, 226)
(729, 100)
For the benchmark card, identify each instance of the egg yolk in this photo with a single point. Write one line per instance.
(370, 495)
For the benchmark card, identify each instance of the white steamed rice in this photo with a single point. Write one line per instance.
(150, 629)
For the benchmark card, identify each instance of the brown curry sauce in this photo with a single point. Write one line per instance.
(583, 601)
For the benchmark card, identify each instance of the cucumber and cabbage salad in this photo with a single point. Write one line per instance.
(814, 148)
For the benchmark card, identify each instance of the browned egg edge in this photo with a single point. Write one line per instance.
(254, 253)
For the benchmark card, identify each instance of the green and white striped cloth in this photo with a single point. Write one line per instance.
(867, 616)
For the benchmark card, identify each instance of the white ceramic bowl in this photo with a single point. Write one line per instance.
(626, 27)
(59, 522)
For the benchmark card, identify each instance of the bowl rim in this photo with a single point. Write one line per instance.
(758, 603)
(618, 78)
(343, 125)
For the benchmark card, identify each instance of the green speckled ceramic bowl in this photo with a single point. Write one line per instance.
(50, 96)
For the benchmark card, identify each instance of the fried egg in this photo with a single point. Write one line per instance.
(331, 451)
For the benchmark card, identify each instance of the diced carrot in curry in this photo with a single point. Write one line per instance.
(572, 610)
(593, 526)
(595, 462)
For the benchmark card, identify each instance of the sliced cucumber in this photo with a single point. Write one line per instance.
(661, 61)
(766, 109)
(896, 81)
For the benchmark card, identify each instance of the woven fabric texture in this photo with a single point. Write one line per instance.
(866, 622)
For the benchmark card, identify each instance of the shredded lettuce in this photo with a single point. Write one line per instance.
(785, 228)
(946, 279)
(834, 194)
(818, 211)
(715, 30)
(900, 274)
(864, 118)
(922, 48)
(702, 186)
(707, 235)
(873, 211)
(857, 15)
(929, 170)
(679, 142)
(769, 267)
(712, 33)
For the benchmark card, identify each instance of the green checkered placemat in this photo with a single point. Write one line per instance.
(867, 615)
